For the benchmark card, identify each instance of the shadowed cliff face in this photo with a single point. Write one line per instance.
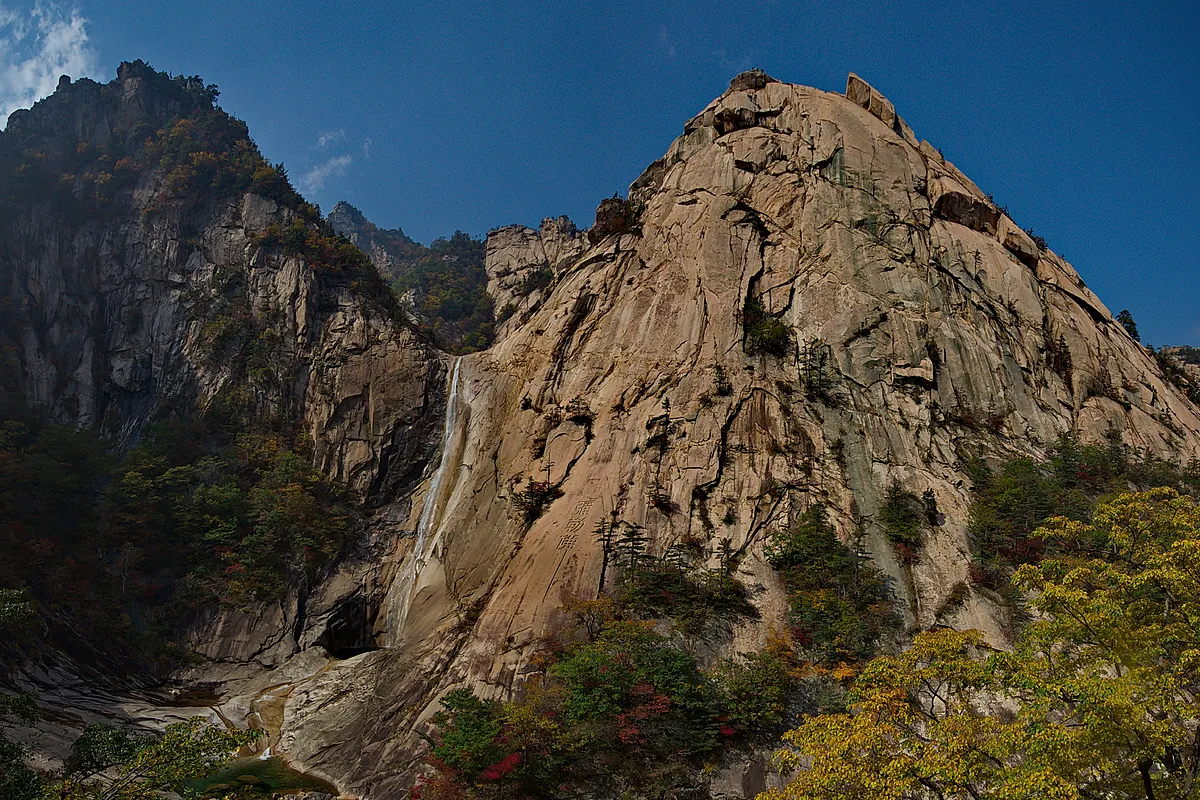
(134, 249)
(644, 374)
(154, 267)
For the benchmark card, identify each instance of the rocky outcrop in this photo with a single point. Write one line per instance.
(867, 96)
(521, 264)
(826, 213)
(941, 333)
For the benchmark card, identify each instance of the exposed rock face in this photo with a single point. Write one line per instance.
(861, 92)
(944, 331)
(521, 263)
(944, 328)
(109, 311)
(106, 322)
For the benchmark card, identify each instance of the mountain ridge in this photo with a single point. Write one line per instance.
(443, 287)
(800, 304)
(915, 336)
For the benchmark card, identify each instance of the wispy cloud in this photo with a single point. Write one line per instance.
(333, 144)
(330, 137)
(367, 147)
(735, 62)
(314, 180)
(666, 42)
(36, 48)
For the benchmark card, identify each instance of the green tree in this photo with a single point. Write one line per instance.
(764, 333)
(618, 711)
(15, 608)
(202, 511)
(1013, 501)
(630, 546)
(447, 284)
(1097, 699)
(108, 763)
(17, 780)
(469, 729)
(840, 604)
(754, 689)
(1126, 320)
(815, 374)
(902, 516)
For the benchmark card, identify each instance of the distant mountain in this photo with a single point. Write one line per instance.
(389, 249)
(1185, 353)
(443, 287)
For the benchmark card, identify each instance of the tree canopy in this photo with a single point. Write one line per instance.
(111, 763)
(1096, 699)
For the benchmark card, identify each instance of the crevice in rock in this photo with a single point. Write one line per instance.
(584, 304)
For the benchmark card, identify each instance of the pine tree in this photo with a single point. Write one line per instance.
(631, 546)
(1126, 320)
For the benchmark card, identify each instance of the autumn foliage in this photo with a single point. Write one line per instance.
(617, 709)
(1097, 697)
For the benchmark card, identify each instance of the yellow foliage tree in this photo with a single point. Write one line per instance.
(1096, 699)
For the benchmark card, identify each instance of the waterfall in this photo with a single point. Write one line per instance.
(429, 506)
(402, 592)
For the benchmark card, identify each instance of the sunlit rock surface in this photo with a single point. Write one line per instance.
(936, 312)
(941, 321)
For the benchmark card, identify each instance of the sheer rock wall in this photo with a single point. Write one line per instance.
(941, 321)
(627, 381)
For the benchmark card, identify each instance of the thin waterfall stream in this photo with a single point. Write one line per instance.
(402, 594)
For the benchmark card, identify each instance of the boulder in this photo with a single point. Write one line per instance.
(863, 94)
(1017, 242)
(751, 79)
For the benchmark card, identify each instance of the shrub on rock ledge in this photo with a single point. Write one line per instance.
(765, 333)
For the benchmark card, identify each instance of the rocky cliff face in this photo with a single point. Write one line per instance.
(521, 264)
(106, 313)
(118, 299)
(924, 328)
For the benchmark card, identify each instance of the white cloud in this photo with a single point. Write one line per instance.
(367, 147)
(314, 179)
(36, 48)
(329, 137)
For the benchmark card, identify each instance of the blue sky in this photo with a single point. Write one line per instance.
(1082, 118)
